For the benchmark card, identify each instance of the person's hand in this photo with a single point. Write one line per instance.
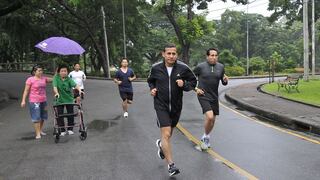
(119, 82)
(199, 92)
(153, 92)
(180, 82)
(130, 78)
(225, 78)
(57, 95)
(23, 104)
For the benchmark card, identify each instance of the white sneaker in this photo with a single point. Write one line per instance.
(63, 133)
(70, 132)
(43, 133)
(125, 114)
(205, 143)
(38, 137)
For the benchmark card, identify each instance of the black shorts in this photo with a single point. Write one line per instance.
(76, 93)
(126, 95)
(209, 105)
(166, 118)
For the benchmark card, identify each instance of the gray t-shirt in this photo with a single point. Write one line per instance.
(209, 76)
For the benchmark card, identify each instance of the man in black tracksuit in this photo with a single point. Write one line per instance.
(167, 81)
(209, 74)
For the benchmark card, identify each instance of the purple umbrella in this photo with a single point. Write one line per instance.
(60, 45)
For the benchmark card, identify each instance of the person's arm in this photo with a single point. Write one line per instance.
(25, 94)
(49, 79)
(190, 80)
(151, 79)
(198, 90)
(224, 78)
(74, 85)
(84, 77)
(152, 82)
(55, 89)
(133, 76)
(116, 79)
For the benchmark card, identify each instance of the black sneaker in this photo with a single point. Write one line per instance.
(160, 152)
(173, 170)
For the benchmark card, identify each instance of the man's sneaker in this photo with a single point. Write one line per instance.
(173, 170)
(125, 114)
(70, 132)
(38, 137)
(205, 144)
(43, 133)
(63, 133)
(160, 152)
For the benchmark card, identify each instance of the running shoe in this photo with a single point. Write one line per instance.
(172, 169)
(70, 132)
(63, 133)
(160, 152)
(43, 133)
(205, 144)
(125, 114)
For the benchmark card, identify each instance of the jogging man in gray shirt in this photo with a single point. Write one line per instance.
(209, 75)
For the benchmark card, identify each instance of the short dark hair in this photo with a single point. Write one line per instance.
(76, 64)
(212, 49)
(62, 66)
(122, 59)
(170, 45)
(35, 68)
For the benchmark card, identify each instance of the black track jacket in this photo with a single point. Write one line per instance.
(169, 94)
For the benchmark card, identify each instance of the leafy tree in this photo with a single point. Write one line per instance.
(187, 25)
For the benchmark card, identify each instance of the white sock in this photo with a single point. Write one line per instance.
(205, 135)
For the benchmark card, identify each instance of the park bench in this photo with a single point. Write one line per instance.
(291, 82)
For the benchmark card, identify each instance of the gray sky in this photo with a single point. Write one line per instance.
(217, 7)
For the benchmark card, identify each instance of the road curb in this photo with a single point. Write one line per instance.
(291, 122)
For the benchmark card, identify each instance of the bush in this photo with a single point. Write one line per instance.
(289, 71)
(234, 71)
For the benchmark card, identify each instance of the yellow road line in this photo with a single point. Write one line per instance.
(273, 127)
(216, 155)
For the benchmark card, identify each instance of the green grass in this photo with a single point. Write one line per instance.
(309, 91)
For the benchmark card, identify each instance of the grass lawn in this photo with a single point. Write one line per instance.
(309, 91)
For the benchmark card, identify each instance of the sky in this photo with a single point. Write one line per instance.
(217, 7)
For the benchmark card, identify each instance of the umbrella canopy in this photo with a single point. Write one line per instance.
(60, 45)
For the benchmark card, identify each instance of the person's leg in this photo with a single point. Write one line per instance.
(44, 116)
(129, 97)
(70, 118)
(166, 133)
(60, 121)
(209, 121)
(125, 105)
(36, 126)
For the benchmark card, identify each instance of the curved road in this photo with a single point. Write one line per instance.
(118, 148)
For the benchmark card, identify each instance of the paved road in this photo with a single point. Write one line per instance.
(118, 148)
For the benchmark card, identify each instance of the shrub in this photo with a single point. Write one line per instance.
(234, 71)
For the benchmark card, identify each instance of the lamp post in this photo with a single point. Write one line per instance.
(305, 41)
(124, 31)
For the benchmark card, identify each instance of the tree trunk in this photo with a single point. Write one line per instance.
(185, 46)
(102, 59)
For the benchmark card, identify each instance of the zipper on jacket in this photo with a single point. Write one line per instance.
(211, 68)
(170, 92)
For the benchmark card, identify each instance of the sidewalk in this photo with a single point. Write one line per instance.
(293, 114)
